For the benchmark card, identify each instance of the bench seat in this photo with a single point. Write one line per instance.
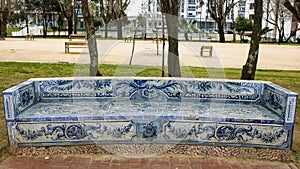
(120, 110)
(133, 110)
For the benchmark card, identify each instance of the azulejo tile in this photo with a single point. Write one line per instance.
(66, 111)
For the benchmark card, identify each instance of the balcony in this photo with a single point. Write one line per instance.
(191, 9)
(192, 3)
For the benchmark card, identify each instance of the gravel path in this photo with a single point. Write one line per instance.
(137, 150)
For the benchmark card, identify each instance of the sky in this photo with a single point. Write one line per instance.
(134, 8)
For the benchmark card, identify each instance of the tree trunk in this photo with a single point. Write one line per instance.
(233, 27)
(59, 29)
(170, 11)
(70, 25)
(75, 23)
(106, 30)
(133, 46)
(249, 69)
(91, 37)
(276, 13)
(267, 15)
(280, 38)
(45, 28)
(221, 32)
(92, 43)
(2, 30)
(4, 15)
(186, 36)
(173, 55)
(119, 28)
(163, 47)
(27, 26)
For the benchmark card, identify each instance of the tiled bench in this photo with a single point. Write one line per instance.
(125, 110)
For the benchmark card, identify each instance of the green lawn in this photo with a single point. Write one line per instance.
(15, 73)
(10, 30)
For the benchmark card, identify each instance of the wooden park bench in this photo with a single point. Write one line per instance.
(29, 36)
(77, 36)
(206, 49)
(75, 44)
(128, 39)
(157, 39)
(80, 43)
(149, 110)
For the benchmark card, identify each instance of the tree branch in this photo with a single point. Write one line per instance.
(293, 9)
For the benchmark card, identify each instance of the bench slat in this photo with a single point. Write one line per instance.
(74, 43)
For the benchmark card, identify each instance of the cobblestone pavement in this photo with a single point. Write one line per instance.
(118, 162)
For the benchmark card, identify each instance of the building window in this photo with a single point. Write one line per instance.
(251, 17)
(252, 6)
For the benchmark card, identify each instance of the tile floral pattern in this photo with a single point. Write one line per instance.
(70, 111)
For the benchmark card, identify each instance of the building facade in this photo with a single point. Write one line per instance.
(197, 10)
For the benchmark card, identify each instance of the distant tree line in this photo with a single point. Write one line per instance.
(13, 10)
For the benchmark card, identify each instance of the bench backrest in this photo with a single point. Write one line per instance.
(147, 88)
(77, 36)
(206, 47)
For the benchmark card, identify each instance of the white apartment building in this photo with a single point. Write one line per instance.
(151, 11)
(193, 10)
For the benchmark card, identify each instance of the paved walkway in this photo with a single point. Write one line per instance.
(225, 55)
(115, 162)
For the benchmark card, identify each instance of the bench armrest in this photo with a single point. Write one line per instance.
(280, 100)
(18, 98)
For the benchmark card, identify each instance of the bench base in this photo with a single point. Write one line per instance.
(154, 132)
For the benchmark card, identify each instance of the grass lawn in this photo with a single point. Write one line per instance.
(12, 73)
(10, 30)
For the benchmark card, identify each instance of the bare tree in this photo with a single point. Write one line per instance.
(295, 10)
(277, 16)
(67, 8)
(106, 8)
(6, 9)
(45, 8)
(76, 7)
(249, 69)
(219, 10)
(91, 37)
(25, 9)
(119, 7)
(170, 11)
